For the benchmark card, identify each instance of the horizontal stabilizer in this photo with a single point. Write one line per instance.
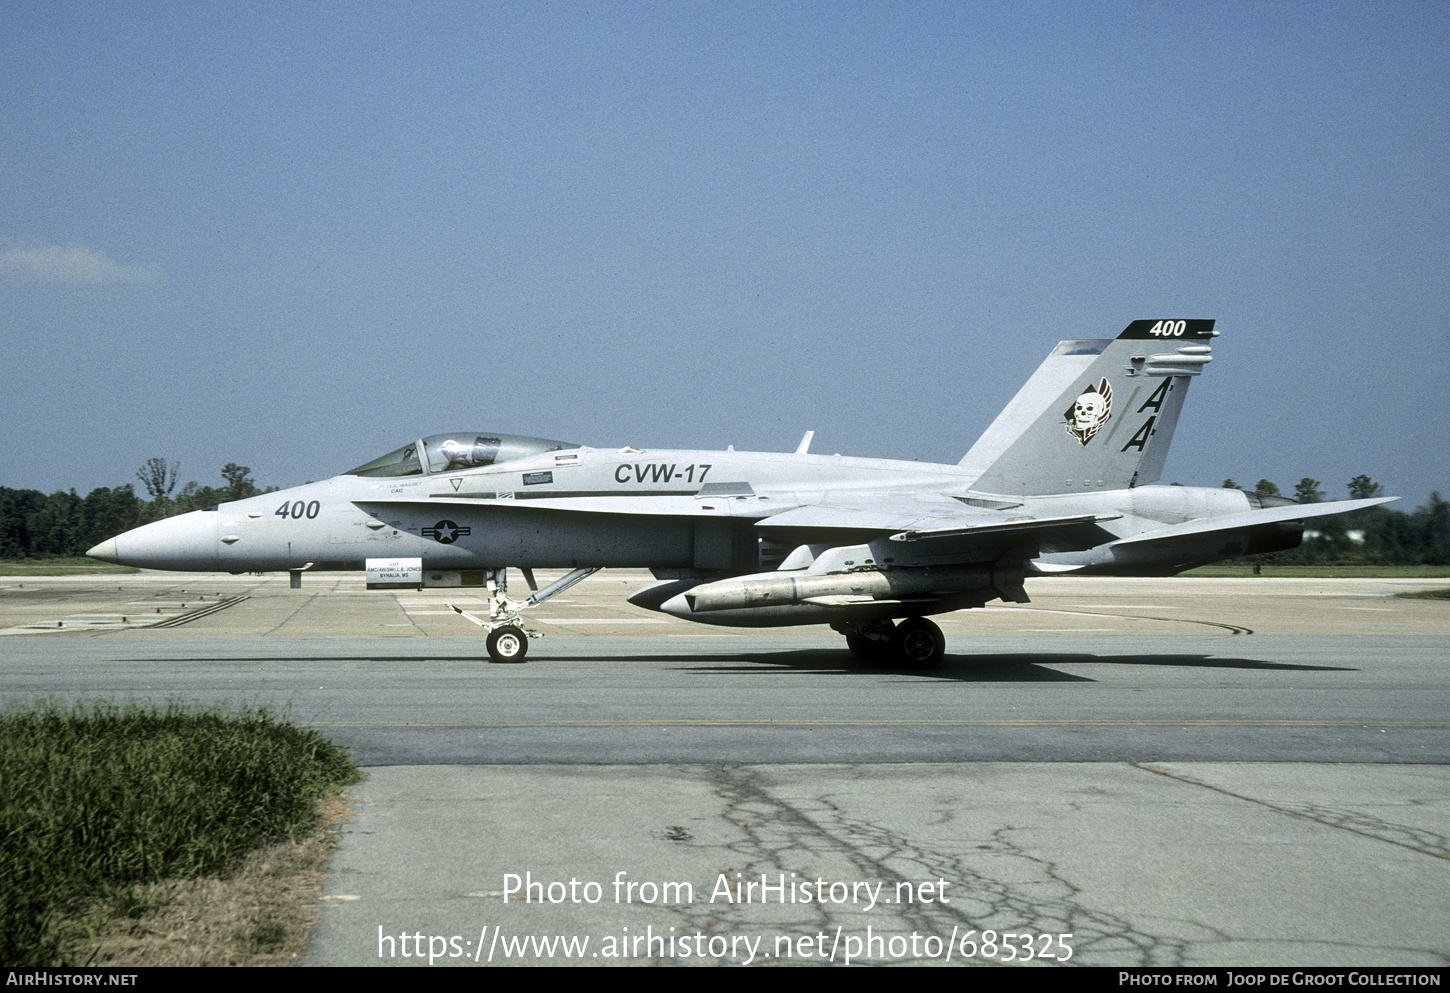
(1252, 518)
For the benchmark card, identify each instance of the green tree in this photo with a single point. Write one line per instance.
(1267, 488)
(239, 481)
(195, 497)
(56, 525)
(1308, 491)
(159, 478)
(1229, 484)
(106, 513)
(17, 513)
(1362, 488)
(1434, 529)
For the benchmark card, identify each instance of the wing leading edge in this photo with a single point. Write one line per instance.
(824, 523)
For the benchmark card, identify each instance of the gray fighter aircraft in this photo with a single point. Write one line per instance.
(1063, 481)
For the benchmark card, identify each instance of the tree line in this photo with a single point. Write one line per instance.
(38, 525)
(1373, 536)
(35, 525)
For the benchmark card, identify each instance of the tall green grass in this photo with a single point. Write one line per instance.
(1271, 570)
(59, 565)
(98, 797)
(1426, 595)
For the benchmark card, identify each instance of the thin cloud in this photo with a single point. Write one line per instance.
(73, 264)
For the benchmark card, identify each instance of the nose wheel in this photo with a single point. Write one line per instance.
(507, 644)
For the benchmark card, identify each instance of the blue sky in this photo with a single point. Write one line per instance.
(295, 236)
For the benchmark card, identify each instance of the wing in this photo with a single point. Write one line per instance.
(940, 544)
(939, 529)
(857, 561)
(901, 517)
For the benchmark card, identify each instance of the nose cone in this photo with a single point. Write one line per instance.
(106, 552)
(654, 596)
(187, 543)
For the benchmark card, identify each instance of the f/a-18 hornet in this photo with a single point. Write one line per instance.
(1063, 481)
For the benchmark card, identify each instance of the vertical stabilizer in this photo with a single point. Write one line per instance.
(1097, 414)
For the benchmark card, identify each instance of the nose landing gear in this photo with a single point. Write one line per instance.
(507, 639)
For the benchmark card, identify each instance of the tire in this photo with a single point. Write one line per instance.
(873, 651)
(918, 644)
(866, 650)
(507, 644)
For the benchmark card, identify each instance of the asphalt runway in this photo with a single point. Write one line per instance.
(1184, 771)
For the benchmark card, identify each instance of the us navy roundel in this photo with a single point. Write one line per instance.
(445, 532)
(1090, 411)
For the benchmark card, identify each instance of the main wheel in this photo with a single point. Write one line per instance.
(868, 649)
(507, 644)
(918, 643)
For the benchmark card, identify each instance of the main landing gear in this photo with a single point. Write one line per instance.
(915, 643)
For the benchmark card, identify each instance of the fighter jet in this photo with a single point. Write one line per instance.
(1065, 480)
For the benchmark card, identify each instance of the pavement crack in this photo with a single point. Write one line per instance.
(994, 883)
(1424, 842)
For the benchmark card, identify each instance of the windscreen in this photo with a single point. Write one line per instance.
(456, 451)
(470, 450)
(402, 462)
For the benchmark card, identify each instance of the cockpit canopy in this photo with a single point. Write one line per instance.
(459, 450)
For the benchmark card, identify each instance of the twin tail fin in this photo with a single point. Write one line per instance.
(1098, 414)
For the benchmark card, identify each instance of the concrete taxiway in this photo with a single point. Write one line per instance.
(1184, 771)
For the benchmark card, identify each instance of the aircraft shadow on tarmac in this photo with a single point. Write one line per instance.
(995, 668)
(1016, 668)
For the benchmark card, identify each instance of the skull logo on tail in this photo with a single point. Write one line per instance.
(1090, 411)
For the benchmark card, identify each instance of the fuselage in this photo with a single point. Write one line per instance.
(656, 509)
(681, 510)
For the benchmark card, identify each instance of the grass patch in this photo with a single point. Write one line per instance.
(265, 935)
(77, 565)
(1324, 571)
(1427, 595)
(98, 799)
